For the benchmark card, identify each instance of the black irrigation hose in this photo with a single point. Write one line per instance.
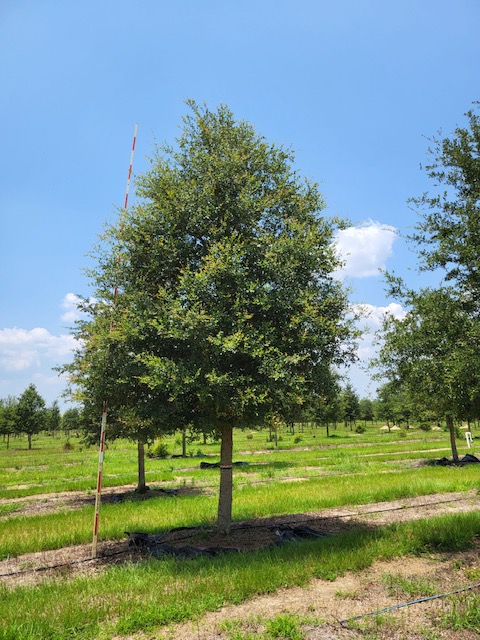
(235, 527)
(407, 604)
(60, 566)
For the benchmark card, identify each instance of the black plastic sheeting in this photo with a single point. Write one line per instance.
(467, 459)
(155, 546)
(216, 465)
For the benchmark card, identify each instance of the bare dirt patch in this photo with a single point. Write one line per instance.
(50, 502)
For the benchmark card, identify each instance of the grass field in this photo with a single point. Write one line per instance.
(307, 472)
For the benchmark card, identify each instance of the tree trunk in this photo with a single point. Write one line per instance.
(29, 436)
(328, 430)
(141, 487)
(453, 443)
(224, 519)
(8, 440)
(184, 442)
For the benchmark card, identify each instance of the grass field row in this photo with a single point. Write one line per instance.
(48, 469)
(21, 534)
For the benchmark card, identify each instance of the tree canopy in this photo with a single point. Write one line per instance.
(448, 233)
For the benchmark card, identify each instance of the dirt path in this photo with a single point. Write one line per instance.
(319, 607)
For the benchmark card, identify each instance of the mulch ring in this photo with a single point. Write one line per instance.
(251, 535)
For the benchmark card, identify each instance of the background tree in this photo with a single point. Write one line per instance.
(366, 410)
(227, 307)
(324, 408)
(53, 418)
(447, 237)
(433, 355)
(30, 413)
(72, 420)
(8, 417)
(385, 403)
(351, 405)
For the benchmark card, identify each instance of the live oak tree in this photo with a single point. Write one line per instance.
(366, 410)
(226, 308)
(351, 405)
(72, 420)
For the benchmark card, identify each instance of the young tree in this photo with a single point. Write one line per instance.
(227, 308)
(30, 413)
(366, 410)
(324, 408)
(385, 402)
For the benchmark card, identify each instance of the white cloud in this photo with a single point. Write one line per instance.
(365, 249)
(21, 349)
(30, 355)
(376, 314)
(70, 302)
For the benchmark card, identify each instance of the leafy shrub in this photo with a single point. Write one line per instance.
(297, 439)
(360, 429)
(425, 426)
(68, 446)
(250, 436)
(158, 450)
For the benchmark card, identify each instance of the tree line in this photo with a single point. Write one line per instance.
(29, 415)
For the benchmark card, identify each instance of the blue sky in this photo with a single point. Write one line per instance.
(352, 85)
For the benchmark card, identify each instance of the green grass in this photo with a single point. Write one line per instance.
(47, 468)
(21, 534)
(11, 507)
(143, 597)
(345, 469)
(405, 587)
(462, 612)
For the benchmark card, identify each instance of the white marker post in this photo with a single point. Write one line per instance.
(469, 438)
(104, 412)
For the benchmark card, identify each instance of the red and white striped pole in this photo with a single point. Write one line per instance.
(104, 412)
